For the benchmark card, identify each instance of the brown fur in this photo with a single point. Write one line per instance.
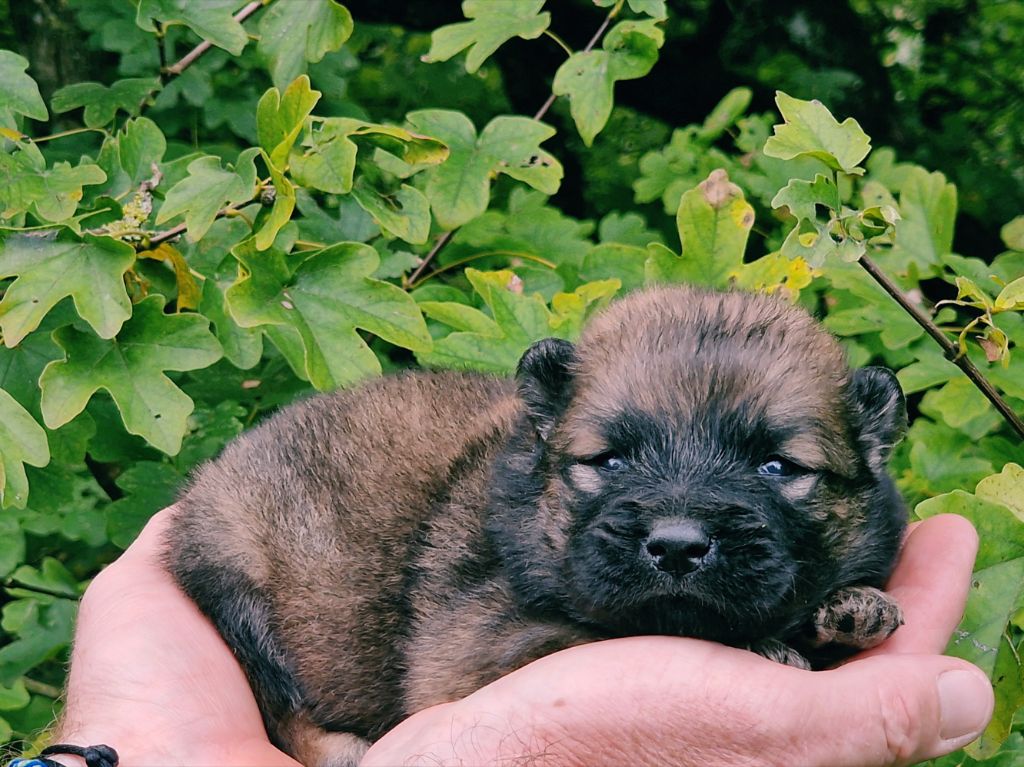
(344, 549)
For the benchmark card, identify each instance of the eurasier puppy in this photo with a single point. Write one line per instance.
(701, 464)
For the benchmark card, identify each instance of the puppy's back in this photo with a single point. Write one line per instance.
(294, 541)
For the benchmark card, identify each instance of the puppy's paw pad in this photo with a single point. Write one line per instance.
(858, 616)
(773, 649)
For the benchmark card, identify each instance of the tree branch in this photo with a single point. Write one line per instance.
(190, 58)
(446, 237)
(949, 349)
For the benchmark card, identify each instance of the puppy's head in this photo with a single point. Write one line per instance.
(704, 464)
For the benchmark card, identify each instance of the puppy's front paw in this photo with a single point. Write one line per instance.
(773, 649)
(859, 616)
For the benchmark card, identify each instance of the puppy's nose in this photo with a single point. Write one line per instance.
(678, 546)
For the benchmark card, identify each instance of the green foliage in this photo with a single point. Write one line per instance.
(204, 243)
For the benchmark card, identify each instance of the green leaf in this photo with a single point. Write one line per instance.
(924, 235)
(148, 487)
(91, 272)
(802, 197)
(207, 189)
(1012, 233)
(293, 34)
(714, 221)
(459, 189)
(212, 20)
(492, 24)
(281, 212)
(404, 214)
(325, 298)
(22, 441)
(612, 260)
(997, 592)
(655, 8)
(328, 158)
(1011, 297)
(495, 343)
(131, 367)
(44, 632)
(141, 144)
(279, 119)
(53, 578)
(809, 129)
(726, 112)
(12, 543)
(101, 102)
(53, 195)
(13, 696)
(19, 93)
(630, 49)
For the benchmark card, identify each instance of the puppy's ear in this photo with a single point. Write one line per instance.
(879, 413)
(545, 382)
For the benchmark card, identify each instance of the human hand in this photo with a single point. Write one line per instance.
(151, 677)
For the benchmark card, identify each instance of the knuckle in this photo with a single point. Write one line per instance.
(901, 725)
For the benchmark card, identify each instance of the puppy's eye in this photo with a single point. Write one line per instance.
(776, 466)
(608, 461)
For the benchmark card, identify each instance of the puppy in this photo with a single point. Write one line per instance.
(700, 464)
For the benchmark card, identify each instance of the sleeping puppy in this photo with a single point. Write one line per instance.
(700, 464)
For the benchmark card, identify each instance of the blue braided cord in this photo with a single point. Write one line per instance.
(32, 762)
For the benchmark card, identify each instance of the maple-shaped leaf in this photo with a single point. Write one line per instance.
(803, 197)
(460, 188)
(588, 78)
(131, 368)
(327, 158)
(212, 20)
(51, 194)
(208, 188)
(19, 93)
(714, 222)
(810, 130)
(280, 117)
(325, 297)
(494, 342)
(22, 441)
(101, 102)
(91, 272)
(298, 32)
(404, 213)
(491, 25)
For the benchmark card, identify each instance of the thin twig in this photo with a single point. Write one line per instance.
(561, 43)
(950, 350)
(446, 237)
(476, 257)
(41, 688)
(189, 58)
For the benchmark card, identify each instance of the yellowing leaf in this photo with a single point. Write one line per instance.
(189, 291)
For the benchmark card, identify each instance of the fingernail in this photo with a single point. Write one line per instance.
(965, 699)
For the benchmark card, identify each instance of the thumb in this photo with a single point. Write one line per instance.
(895, 710)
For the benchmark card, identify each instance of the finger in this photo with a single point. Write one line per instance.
(890, 710)
(931, 582)
(658, 700)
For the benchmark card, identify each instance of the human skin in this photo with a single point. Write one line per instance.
(151, 677)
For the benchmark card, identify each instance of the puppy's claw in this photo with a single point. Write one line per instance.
(859, 616)
(773, 649)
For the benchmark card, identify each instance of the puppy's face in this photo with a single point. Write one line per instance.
(711, 466)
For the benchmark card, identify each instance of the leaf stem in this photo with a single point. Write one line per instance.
(561, 43)
(446, 237)
(477, 257)
(190, 58)
(41, 688)
(64, 133)
(950, 350)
